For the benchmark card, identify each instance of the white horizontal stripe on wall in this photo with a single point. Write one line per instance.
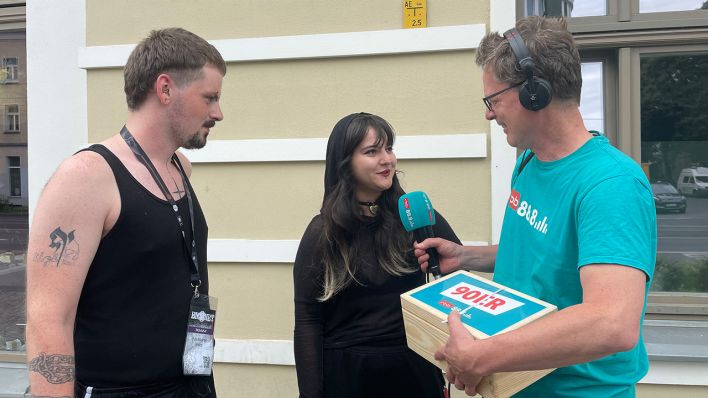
(266, 352)
(348, 44)
(684, 373)
(308, 149)
(280, 352)
(261, 251)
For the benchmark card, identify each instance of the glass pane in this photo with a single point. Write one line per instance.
(589, 8)
(675, 156)
(13, 244)
(13, 161)
(592, 103)
(15, 182)
(647, 6)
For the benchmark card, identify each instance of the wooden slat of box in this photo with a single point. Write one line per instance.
(426, 331)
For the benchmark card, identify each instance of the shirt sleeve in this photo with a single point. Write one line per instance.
(442, 229)
(617, 225)
(309, 314)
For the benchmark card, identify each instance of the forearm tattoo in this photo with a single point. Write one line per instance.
(56, 368)
(65, 249)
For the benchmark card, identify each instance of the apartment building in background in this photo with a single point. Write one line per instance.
(13, 105)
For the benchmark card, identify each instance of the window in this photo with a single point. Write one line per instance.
(10, 64)
(12, 118)
(589, 8)
(674, 145)
(15, 175)
(616, 16)
(648, 6)
(13, 246)
(541, 7)
(592, 102)
(654, 57)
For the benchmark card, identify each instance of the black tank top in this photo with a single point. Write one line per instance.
(131, 320)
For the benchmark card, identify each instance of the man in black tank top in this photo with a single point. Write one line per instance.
(117, 251)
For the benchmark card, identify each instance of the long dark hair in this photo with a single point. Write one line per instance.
(341, 215)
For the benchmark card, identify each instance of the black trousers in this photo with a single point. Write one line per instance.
(186, 387)
(379, 372)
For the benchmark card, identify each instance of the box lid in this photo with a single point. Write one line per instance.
(487, 307)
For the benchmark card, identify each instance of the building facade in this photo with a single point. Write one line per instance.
(293, 71)
(13, 107)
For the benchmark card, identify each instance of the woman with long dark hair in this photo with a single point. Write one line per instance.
(354, 261)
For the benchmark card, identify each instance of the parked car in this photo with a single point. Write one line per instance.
(693, 181)
(668, 198)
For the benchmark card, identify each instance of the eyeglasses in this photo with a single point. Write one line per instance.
(488, 99)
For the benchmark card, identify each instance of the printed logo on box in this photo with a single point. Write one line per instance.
(482, 299)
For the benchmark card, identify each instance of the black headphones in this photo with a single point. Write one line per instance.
(535, 93)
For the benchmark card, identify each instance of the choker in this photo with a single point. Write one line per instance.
(373, 207)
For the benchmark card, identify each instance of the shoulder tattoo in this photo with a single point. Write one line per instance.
(56, 368)
(65, 249)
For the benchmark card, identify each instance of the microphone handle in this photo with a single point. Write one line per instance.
(422, 234)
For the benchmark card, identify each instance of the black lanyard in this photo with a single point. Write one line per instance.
(145, 160)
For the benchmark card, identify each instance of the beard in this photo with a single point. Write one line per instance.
(196, 141)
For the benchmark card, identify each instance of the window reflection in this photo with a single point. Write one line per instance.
(674, 148)
(592, 102)
(589, 8)
(648, 6)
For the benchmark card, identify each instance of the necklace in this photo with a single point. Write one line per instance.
(177, 191)
(373, 207)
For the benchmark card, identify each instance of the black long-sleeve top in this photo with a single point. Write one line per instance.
(366, 313)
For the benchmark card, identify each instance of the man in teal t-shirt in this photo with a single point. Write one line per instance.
(579, 231)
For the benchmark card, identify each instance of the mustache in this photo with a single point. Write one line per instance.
(210, 124)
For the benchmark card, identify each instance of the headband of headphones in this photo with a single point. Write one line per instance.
(518, 47)
(536, 93)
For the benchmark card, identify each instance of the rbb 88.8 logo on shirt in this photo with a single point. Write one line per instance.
(524, 209)
(514, 199)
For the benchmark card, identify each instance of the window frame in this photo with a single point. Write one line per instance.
(12, 72)
(12, 179)
(623, 15)
(619, 39)
(12, 119)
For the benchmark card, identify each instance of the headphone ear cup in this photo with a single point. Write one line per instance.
(538, 100)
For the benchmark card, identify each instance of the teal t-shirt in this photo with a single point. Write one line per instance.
(592, 206)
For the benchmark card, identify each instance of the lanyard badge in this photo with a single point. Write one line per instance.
(198, 354)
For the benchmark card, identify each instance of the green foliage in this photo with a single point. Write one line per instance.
(673, 100)
(680, 276)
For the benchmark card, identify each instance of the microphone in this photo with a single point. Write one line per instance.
(417, 216)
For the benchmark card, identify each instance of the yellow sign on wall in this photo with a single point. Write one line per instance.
(414, 14)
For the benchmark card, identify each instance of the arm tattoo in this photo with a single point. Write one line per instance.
(56, 368)
(66, 249)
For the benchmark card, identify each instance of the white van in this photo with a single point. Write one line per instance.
(693, 181)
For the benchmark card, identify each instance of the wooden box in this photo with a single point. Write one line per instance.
(487, 309)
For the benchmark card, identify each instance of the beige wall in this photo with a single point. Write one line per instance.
(431, 93)
(106, 20)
